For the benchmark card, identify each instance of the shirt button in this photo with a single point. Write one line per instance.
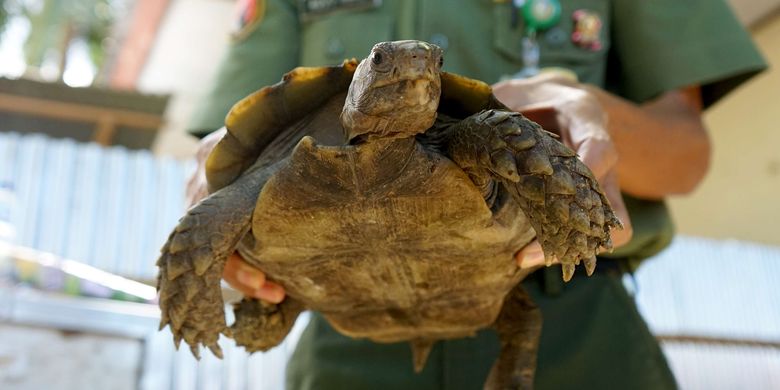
(440, 40)
(334, 49)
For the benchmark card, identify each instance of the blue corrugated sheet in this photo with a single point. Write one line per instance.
(722, 290)
(108, 207)
(723, 367)
(713, 288)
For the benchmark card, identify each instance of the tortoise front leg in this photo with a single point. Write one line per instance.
(567, 208)
(519, 327)
(193, 259)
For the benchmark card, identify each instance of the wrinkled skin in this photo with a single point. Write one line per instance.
(405, 230)
(392, 95)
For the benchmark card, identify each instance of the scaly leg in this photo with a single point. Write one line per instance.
(193, 259)
(261, 326)
(519, 326)
(567, 208)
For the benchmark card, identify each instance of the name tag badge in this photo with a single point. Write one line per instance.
(312, 8)
(538, 15)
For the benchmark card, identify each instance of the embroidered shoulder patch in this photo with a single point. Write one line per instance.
(249, 14)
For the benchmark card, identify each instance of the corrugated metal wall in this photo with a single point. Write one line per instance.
(108, 207)
(178, 370)
(721, 290)
(713, 288)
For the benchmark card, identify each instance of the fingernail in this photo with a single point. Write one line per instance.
(249, 279)
(269, 293)
(278, 293)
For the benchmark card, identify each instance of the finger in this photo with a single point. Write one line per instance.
(545, 116)
(241, 276)
(546, 87)
(599, 155)
(612, 191)
(512, 93)
(250, 281)
(532, 256)
(269, 292)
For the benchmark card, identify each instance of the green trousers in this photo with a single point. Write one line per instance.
(592, 338)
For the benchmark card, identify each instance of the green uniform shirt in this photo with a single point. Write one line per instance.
(593, 337)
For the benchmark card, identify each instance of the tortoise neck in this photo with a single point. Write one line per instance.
(359, 127)
(386, 154)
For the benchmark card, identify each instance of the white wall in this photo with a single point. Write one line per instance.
(190, 42)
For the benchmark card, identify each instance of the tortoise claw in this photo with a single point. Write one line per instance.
(216, 350)
(568, 272)
(590, 265)
(504, 164)
(549, 260)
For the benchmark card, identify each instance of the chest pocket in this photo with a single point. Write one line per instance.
(329, 39)
(556, 45)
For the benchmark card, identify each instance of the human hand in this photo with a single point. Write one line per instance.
(251, 281)
(567, 108)
(241, 276)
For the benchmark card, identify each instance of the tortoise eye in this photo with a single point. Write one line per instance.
(381, 61)
(441, 62)
(377, 58)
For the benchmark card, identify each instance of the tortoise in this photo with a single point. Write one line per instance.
(391, 197)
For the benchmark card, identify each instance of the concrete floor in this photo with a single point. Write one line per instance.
(40, 358)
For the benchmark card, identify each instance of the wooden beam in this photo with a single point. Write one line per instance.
(105, 129)
(106, 120)
(739, 342)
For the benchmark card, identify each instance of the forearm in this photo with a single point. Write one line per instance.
(662, 145)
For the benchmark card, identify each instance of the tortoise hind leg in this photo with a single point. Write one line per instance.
(564, 202)
(519, 327)
(193, 259)
(261, 326)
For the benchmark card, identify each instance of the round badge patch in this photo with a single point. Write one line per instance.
(587, 30)
(541, 14)
(249, 14)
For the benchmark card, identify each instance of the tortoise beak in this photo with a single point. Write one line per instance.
(420, 62)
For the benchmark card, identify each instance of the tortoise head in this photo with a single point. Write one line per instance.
(394, 92)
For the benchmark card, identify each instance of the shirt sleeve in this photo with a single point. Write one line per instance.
(662, 45)
(257, 57)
